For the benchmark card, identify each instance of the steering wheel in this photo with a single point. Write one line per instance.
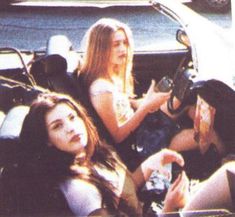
(185, 89)
(181, 90)
(185, 85)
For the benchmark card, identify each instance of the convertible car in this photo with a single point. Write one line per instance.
(205, 57)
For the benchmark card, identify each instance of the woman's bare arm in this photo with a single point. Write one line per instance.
(156, 162)
(103, 104)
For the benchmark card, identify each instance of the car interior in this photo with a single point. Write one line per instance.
(19, 86)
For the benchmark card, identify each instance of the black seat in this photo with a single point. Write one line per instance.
(15, 93)
(51, 72)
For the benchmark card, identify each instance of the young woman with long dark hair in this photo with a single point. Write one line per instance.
(61, 146)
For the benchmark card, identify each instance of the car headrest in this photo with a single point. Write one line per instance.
(13, 121)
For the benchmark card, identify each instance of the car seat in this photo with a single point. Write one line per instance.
(13, 121)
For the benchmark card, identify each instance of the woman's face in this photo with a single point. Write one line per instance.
(119, 48)
(66, 130)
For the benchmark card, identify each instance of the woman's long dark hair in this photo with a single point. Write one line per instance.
(222, 97)
(39, 159)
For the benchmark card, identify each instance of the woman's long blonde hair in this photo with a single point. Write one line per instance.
(98, 45)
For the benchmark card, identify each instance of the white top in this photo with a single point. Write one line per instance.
(121, 103)
(83, 197)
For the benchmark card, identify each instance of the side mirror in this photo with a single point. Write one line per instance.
(182, 37)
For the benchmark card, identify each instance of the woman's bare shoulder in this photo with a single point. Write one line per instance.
(100, 86)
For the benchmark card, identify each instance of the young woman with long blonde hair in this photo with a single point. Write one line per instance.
(107, 69)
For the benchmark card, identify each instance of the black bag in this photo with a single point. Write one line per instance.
(154, 133)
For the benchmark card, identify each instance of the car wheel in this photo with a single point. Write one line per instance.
(216, 5)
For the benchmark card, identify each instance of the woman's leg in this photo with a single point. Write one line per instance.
(215, 192)
(184, 141)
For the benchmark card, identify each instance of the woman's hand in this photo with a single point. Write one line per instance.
(177, 194)
(157, 161)
(153, 100)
